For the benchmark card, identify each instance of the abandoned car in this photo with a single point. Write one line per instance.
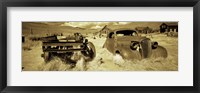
(130, 45)
(67, 46)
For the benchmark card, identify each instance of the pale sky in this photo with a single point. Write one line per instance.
(92, 25)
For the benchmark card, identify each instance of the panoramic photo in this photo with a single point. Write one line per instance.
(100, 46)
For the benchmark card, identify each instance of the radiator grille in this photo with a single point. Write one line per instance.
(146, 48)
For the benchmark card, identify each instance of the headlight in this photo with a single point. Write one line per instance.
(85, 40)
(154, 45)
(134, 45)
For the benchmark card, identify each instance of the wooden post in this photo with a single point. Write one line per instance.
(31, 31)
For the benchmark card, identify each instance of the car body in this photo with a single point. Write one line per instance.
(67, 46)
(130, 45)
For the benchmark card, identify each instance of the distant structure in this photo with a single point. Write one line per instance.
(145, 30)
(169, 27)
(104, 31)
(23, 39)
(31, 31)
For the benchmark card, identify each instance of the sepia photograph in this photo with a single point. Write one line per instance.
(100, 46)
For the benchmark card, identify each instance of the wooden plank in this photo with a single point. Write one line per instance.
(61, 44)
(59, 50)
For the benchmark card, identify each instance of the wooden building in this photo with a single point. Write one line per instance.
(104, 31)
(145, 30)
(169, 27)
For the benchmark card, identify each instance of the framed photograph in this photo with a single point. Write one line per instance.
(99, 46)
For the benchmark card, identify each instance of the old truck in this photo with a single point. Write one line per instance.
(67, 46)
(130, 45)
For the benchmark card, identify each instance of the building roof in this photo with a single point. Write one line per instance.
(105, 27)
(171, 24)
(121, 29)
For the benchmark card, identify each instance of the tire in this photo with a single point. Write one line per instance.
(159, 52)
(47, 56)
(90, 51)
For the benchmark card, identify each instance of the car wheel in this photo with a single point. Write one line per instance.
(90, 51)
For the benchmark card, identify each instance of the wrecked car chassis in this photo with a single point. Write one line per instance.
(66, 47)
(62, 47)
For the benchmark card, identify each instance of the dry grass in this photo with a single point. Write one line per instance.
(104, 60)
(29, 44)
(55, 65)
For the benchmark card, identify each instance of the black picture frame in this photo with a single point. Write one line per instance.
(100, 3)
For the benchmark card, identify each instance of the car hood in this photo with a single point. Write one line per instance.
(130, 38)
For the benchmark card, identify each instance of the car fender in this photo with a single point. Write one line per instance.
(129, 54)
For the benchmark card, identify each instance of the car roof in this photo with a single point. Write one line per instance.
(122, 29)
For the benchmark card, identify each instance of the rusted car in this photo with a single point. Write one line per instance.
(66, 46)
(131, 46)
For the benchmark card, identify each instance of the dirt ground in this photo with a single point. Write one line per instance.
(104, 60)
